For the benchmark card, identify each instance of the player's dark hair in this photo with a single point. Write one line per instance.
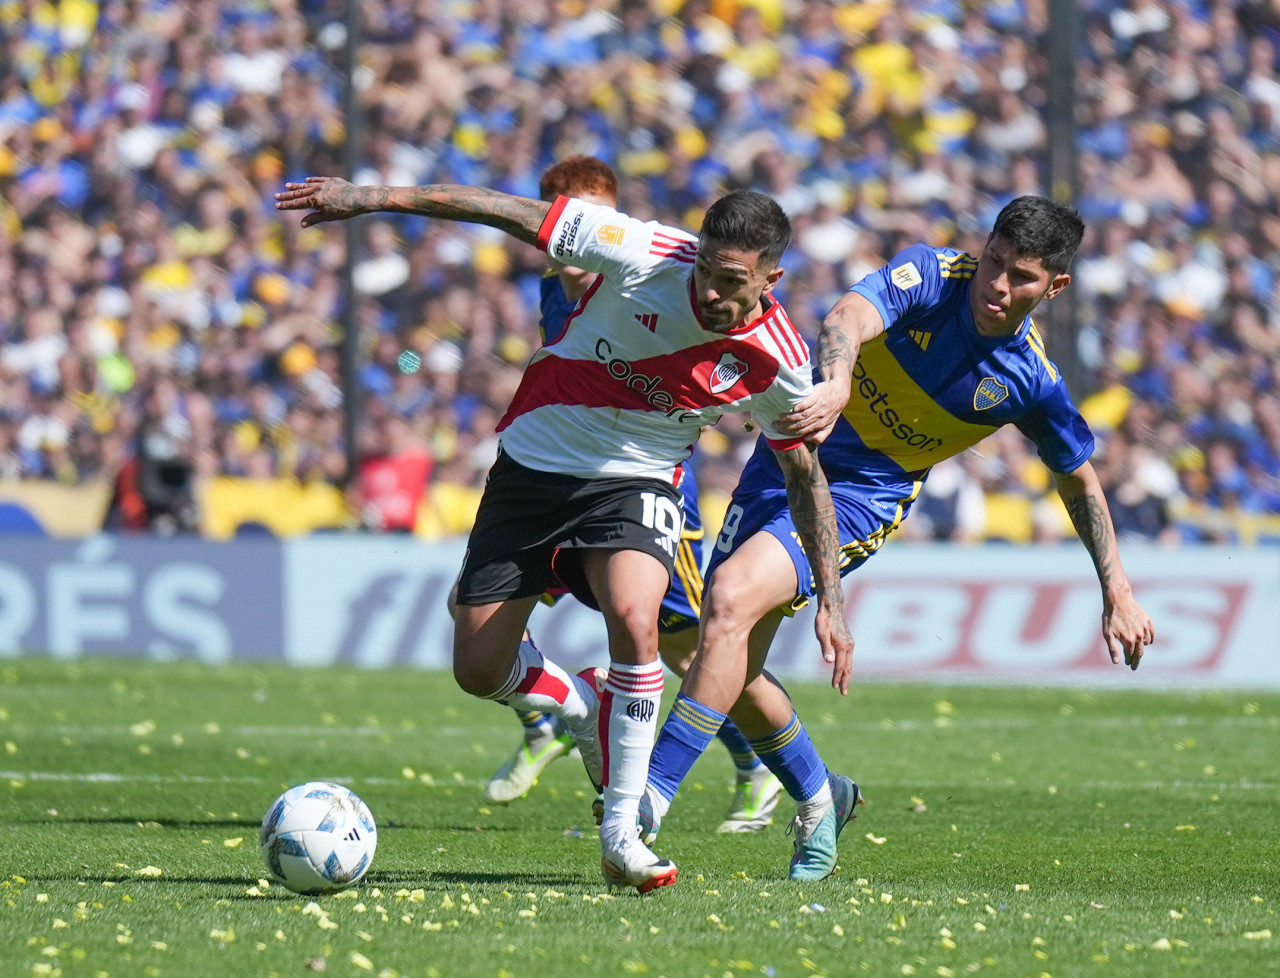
(1043, 228)
(749, 221)
(577, 175)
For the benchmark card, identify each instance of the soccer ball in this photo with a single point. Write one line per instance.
(318, 837)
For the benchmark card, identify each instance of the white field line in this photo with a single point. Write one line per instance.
(111, 777)
(108, 777)
(887, 723)
(105, 730)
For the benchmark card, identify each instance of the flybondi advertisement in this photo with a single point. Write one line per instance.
(917, 612)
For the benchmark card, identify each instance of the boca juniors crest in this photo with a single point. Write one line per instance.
(990, 392)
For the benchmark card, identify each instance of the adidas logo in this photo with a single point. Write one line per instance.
(920, 337)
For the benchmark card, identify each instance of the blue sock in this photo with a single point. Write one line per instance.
(535, 722)
(687, 731)
(791, 756)
(744, 758)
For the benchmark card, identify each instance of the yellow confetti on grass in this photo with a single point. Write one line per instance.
(360, 961)
(149, 871)
(877, 840)
(1184, 828)
(233, 843)
(1258, 935)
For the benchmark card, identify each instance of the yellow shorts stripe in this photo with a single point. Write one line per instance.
(689, 574)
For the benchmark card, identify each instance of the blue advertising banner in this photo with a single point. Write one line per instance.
(163, 598)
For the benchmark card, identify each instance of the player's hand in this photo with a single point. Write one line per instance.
(328, 199)
(1127, 630)
(837, 645)
(814, 416)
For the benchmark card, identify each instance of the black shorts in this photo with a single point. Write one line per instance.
(531, 525)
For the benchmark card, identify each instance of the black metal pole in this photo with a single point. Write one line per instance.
(350, 324)
(1064, 42)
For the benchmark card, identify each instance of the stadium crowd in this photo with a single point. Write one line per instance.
(164, 326)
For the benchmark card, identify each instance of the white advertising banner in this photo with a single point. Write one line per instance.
(917, 612)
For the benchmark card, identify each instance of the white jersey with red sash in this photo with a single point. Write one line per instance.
(635, 377)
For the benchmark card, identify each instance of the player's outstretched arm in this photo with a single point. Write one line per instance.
(809, 497)
(1126, 628)
(335, 199)
(851, 322)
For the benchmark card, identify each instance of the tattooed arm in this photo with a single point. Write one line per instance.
(851, 322)
(335, 199)
(814, 513)
(1126, 628)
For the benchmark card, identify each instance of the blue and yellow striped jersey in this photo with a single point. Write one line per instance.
(931, 386)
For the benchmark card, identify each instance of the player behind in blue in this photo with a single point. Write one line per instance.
(921, 360)
(546, 738)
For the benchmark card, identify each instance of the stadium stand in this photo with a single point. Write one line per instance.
(165, 334)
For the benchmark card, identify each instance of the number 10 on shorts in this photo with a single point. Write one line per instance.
(661, 514)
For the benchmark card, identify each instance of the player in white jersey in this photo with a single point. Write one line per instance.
(675, 332)
(756, 790)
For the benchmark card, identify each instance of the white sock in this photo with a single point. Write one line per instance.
(630, 702)
(537, 683)
(819, 802)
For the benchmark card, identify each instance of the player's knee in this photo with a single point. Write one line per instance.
(478, 675)
(638, 623)
(730, 600)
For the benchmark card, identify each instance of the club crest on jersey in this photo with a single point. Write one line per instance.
(726, 373)
(906, 276)
(990, 392)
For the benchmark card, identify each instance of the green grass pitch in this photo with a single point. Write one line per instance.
(1009, 831)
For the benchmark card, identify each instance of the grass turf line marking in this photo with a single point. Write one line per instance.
(109, 777)
(888, 723)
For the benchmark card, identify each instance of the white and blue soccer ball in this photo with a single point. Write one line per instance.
(318, 837)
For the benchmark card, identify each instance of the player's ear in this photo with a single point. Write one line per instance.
(1058, 283)
(772, 278)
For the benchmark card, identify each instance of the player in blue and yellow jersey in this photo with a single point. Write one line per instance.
(756, 790)
(920, 360)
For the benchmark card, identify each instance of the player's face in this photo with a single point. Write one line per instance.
(1007, 286)
(728, 284)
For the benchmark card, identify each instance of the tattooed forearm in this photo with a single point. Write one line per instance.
(1093, 526)
(836, 352)
(360, 200)
(520, 217)
(809, 497)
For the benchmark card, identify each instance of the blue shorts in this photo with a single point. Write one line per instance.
(865, 514)
(683, 600)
